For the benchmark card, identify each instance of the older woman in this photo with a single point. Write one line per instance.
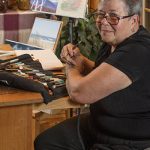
(117, 86)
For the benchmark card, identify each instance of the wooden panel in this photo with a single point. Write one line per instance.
(93, 4)
(11, 96)
(60, 103)
(6, 47)
(147, 14)
(15, 128)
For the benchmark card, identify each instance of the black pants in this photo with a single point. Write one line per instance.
(65, 136)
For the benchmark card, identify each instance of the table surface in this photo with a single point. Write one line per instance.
(11, 96)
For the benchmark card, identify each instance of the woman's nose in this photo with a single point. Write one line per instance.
(104, 21)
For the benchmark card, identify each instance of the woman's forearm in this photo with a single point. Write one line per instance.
(88, 65)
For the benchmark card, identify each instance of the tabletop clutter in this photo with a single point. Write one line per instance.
(25, 73)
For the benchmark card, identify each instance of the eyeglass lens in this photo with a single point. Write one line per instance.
(113, 20)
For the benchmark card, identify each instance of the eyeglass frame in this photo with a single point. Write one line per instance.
(108, 15)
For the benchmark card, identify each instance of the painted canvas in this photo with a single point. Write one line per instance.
(21, 46)
(44, 5)
(69, 8)
(72, 8)
(45, 33)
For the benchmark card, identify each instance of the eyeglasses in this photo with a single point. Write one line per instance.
(111, 18)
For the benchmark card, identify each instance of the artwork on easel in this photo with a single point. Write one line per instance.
(45, 33)
(69, 8)
(44, 5)
(72, 8)
(21, 46)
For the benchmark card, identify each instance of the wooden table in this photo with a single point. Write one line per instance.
(16, 118)
(18, 125)
(16, 122)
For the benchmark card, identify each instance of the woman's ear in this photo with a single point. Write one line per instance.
(136, 19)
(135, 22)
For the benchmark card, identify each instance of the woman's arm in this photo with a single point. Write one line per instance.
(99, 83)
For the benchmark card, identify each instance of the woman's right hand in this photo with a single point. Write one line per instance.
(70, 54)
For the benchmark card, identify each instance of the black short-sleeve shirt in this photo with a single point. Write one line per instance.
(126, 113)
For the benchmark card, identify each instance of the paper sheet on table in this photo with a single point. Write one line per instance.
(47, 58)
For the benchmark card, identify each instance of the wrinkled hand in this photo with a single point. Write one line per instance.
(69, 54)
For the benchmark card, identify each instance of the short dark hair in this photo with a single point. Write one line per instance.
(133, 6)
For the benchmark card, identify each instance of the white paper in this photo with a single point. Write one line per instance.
(47, 58)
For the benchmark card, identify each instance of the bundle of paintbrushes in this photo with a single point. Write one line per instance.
(29, 73)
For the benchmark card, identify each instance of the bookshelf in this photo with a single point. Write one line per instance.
(146, 14)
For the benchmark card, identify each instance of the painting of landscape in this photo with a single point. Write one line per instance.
(72, 8)
(69, 8)
(44, 5)
(45, 33)
(71, 5)
(21, 46)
